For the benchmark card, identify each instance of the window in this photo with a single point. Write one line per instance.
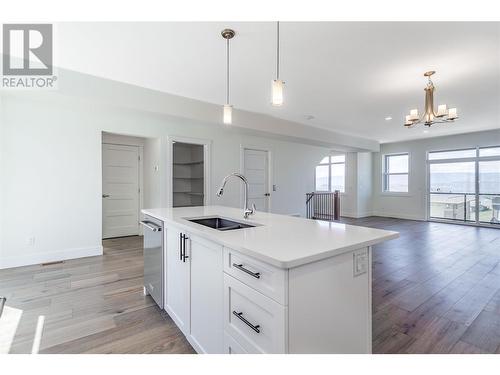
(330, 174)
(464, 185)
(453, 154)
(396, 173)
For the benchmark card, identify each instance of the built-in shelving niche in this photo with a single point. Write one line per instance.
(188, 180)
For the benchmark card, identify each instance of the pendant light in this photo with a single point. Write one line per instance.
(227, 115)
(277, 84)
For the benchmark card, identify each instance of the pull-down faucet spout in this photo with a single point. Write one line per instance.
(247, 211)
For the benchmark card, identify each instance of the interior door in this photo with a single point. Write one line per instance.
(256, 170)
(120, 190)
(178, 279)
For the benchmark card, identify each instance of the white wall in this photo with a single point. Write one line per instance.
(413, 204)
(51, 171)
(357, 199)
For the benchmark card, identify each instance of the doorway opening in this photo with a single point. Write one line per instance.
(189, 171)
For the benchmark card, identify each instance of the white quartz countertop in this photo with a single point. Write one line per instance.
(280, 240)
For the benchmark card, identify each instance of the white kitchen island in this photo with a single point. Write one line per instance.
(286, 285)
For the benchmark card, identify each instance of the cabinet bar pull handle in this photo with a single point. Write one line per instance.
(180, 245)
(241, 268)
(239, 315)
(184, 256)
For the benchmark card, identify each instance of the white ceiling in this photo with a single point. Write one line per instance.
(349, 76)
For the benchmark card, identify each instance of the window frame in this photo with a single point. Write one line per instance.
(329, 164)
(386, 174)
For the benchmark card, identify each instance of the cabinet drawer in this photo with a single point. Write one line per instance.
(268, 280)
(255, 321)
(231, 346)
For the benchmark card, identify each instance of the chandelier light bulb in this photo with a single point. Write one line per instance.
(442, 110)
(414, 114)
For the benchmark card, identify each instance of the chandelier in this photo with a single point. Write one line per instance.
(430, 116)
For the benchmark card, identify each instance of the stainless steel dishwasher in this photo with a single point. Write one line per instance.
(153, 259)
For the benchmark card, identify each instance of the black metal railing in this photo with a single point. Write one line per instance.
(466, 207)
(323, 205)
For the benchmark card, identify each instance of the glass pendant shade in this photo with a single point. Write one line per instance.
(228, 114)
(277, 92)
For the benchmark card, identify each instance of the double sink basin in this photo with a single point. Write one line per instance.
(219, 223)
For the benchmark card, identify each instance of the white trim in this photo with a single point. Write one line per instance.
(395, 194)
(244, 147)
(207, 162)
(356, 215)
(53, 256)
(396, 215)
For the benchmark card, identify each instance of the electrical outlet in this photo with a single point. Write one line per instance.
(360, 262)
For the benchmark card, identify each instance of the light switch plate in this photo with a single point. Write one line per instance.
(360, 262)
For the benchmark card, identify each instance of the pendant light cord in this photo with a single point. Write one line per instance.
(227, 71)
(277, 50)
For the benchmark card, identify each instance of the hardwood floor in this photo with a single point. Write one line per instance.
(89, 305)
(436, 289)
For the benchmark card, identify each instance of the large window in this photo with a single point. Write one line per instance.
(330, 174)
(464, 185)
(396, 169)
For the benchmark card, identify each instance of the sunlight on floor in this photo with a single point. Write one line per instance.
(8, 326)
(38, 335)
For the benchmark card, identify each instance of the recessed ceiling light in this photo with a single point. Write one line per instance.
(309, 117)
(388, 118)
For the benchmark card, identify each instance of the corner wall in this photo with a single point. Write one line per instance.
(413, 205)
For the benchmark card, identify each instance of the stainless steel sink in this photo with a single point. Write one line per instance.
(220, 223)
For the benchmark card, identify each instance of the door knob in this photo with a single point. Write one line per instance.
(105, 195)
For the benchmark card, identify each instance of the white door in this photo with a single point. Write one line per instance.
(256, 170)
(178, 279)
(207, 295)
(120, 190)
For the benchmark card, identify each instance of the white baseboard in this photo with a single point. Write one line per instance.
(398, 215)
(53, 256)
(356, 215)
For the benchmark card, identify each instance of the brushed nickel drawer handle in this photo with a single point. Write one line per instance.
(241, 268)
(239, 315)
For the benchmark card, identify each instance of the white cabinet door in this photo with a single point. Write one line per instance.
(178, 279)
(207, 295)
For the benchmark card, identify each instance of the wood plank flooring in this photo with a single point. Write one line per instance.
(89, 305)
(436, 289)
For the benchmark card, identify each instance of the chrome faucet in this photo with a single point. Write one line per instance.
(248, 211)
